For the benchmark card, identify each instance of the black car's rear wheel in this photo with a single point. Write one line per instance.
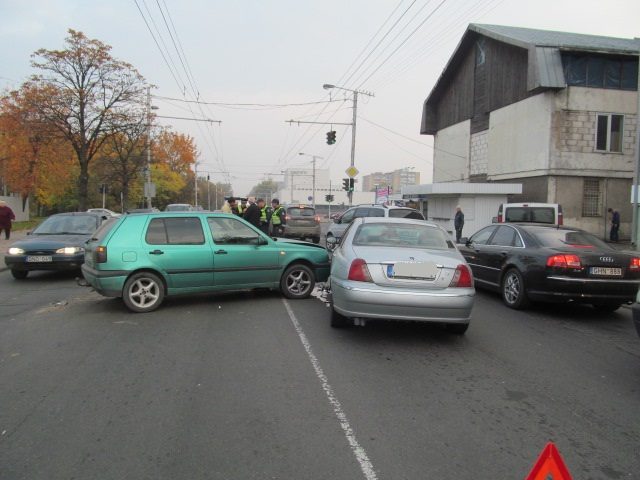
(143, 292)
(19, 274)
(513, 290)
(297, 281)
(607, 307)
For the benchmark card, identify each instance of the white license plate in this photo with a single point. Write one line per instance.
(413, 270)
(39, 258)
(606, 271)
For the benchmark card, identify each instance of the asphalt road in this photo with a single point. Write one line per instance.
(249, 386)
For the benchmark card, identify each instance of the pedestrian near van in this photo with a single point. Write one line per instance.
(277, 218)
(6, 217)
(615, 224)
(458, 223)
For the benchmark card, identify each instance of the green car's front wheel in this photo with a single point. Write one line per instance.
(297, 281)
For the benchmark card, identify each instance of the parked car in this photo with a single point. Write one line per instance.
(301, 222)
(399, 269)
(527, 262)
(145, 257)
(530, 212)
(104, 211)
(58, 243)
(178, 207)
(143, 210)
(339, 225)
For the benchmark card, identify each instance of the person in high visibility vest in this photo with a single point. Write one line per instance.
(232, 206)
(277, 218)
(264, 215)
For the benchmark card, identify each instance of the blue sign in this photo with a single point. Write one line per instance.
(309, 198)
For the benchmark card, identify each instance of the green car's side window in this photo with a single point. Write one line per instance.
(229, 231)
(175, 231)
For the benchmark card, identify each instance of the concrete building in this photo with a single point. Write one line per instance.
(556, 112)
(396, 179)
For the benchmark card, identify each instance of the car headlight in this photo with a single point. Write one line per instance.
(15, 251)
(70, 250)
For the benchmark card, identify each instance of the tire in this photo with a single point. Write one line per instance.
(607, 307)
(513, 290)
(338, 320)
(143, 292)
(19, 274)
(456, 328)
(316, 239)
(297, 281)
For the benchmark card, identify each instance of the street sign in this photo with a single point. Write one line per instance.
(549, 466)
(149, 190)
(351, 171)
(309, 198)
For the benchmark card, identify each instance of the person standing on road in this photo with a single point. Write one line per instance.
(252, 213)
(615, 224)
(277, 218)
(458, 223)
(232, 207)
(265, 215)
(6, 217)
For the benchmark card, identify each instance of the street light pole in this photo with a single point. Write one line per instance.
(313, 184)
(148, 145)
(328, 86)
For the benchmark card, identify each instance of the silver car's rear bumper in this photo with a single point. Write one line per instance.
(368, 300)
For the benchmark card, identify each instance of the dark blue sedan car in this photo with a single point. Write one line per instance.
(56, 244)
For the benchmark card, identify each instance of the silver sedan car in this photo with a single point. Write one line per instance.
(399, 269)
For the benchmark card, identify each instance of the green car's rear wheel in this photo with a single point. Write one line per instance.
(143, 292)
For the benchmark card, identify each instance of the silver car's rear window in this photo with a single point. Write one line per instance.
(401, 235)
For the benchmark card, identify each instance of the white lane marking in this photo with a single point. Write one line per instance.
(358, 451)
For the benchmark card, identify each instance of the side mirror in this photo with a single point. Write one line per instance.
(464, 241)
(494, 220)
(332, 243)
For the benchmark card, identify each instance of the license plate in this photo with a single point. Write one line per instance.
(422, 270)
(606, 271)
(39, 258)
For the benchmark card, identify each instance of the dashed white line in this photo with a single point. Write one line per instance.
(358, 451)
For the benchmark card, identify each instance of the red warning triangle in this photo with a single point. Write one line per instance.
(549, 466)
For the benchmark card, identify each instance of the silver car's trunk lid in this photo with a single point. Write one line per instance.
(409, 267)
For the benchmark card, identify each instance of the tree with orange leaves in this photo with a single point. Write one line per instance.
(87, 97)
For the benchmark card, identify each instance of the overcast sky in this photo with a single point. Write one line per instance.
(276, 52)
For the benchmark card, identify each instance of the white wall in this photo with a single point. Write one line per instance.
(520, 137)
(451, 153)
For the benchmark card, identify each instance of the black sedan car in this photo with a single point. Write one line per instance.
(526, 262)
(56, 244)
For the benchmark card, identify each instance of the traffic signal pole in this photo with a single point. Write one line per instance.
(353, 138)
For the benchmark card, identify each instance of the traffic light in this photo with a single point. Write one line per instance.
(331, 137)
(345, 184)
(328, 198)
(352, 182)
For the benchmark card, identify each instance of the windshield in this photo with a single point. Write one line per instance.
(401, 235)
(68, 224)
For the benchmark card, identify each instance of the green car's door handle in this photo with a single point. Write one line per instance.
(156, 252)
(220, 252)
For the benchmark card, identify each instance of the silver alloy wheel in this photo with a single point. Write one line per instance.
(298, 282)
(512, 288)
(144, 293)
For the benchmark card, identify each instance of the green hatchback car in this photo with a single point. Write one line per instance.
(147, 256)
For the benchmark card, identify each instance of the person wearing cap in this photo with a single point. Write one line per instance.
(458, 223)
(277, 218)
(6, 216)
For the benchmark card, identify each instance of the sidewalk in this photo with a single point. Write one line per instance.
(4, 244)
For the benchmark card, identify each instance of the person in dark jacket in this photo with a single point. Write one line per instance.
(458, 223)
(615, 224)
(6, 217)
(252, 213)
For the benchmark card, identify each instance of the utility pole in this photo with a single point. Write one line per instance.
(148, 147)
(353, 138)
(636, 175)
(313, 184)
(195, 171)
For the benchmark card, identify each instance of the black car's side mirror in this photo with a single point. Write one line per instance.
(464, 241)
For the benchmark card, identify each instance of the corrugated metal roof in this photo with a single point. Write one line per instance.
(547, 68)
(528, 37)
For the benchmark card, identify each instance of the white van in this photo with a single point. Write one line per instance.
(550, 213)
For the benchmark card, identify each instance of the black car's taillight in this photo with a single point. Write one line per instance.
(100, 254)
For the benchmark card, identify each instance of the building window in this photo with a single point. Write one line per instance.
(609, 132)
(591, 193)
(600, 71)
